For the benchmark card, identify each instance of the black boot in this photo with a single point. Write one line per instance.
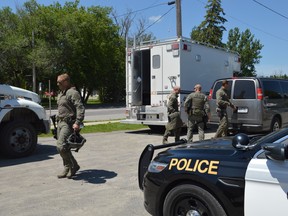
(64, 173)
(72, 171)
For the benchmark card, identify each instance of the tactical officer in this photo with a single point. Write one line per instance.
(222, 102)
(174, 120)
(196, 105)
(70, 116)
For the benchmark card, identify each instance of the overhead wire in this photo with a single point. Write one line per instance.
(153, 6)
(256, 28)
(271, 9)
(143, 9)
(156, 20)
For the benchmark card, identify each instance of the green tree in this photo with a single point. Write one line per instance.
(248, 47)
(81, 41)
(125, 23)
(14, 49)
(212, 28)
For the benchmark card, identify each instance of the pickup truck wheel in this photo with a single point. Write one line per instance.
(18, 139)
(191, 200)
(275, 124)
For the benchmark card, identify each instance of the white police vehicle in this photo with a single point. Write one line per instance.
(22, 118)
(231, 176)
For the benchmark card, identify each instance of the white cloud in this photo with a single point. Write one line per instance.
(153, 19)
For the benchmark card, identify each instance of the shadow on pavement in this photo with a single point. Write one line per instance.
(42, 152)
(94, 176)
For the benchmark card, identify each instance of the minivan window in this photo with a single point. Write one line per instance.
(272, 89)
(244, 89)
(218, 85)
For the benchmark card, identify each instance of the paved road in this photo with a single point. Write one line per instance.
(105, 185)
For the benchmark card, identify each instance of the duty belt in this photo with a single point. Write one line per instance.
(65, 119)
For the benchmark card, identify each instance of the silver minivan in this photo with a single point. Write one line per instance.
(262, 103)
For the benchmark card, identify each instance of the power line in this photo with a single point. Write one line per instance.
(156, 20)
(258, 29)
(271, 9)
(147, 8)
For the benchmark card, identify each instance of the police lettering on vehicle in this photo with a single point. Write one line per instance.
(202, 166)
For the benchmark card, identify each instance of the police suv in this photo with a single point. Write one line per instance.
(231, 176)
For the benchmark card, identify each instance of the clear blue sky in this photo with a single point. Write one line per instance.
(267, 26)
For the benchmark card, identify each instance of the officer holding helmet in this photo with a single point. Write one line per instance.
(70, 116)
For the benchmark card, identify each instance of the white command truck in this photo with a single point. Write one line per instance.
(154, 67)
(22, 118)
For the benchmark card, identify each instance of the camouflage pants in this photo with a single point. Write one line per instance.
(192, 122)
(223, 125)
(64, 130)
(177, 133)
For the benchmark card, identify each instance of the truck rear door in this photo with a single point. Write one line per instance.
(156, 75)
(140, 83)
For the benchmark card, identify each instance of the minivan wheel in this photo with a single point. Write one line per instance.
(275, 125)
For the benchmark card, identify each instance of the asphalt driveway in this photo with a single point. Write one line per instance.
(105, 185)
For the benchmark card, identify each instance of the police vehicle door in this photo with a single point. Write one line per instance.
(266, 186)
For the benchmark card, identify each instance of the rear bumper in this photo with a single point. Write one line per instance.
(247, 127)
(144, 122)
(254, 128)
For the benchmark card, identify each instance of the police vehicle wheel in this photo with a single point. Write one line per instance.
(191, 200)
(18, 139)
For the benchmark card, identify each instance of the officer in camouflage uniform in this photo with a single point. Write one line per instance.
(222, 102)
(174, 120)
(196, 105)
(70, 116)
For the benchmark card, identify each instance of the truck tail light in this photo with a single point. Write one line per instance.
(175, 46)
(259, 94)
(210, 94)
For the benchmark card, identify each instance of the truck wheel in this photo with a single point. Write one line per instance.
(191, 200)
(157, 128)
(18, 139)
(275, 124)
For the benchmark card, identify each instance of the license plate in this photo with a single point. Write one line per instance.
(242, 110)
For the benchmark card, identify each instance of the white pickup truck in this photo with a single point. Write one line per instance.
(22, 118)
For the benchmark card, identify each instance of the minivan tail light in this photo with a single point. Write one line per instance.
(259, 94)
(210, 94)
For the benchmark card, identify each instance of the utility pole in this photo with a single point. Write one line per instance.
(33, 66)
(178, 18)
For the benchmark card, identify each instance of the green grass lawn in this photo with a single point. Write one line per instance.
(109, 127)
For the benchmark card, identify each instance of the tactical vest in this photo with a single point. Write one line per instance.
(198, 102)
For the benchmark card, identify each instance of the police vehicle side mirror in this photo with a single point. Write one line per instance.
(276, 151)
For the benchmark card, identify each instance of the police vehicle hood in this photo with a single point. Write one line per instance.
(214, 148)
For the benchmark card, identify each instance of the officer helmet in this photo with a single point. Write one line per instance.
(75, 140)
(240, 140)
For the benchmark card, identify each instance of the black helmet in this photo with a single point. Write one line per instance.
(240, 140)
(75, 140)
